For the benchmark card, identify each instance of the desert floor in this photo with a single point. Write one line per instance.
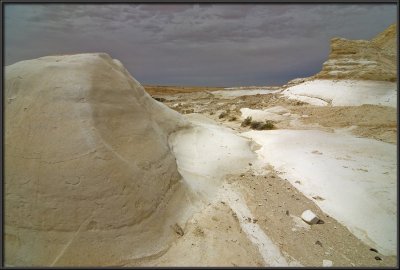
(254, 217)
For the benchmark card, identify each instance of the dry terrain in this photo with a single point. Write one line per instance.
(101, 171)
(275, 203)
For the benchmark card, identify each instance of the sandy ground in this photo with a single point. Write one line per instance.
(278, 205)
(274, 204)
(369, 121)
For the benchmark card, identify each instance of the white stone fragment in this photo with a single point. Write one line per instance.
(309, 217)
(327, 263)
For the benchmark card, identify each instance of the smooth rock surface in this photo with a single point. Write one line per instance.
(86, 155)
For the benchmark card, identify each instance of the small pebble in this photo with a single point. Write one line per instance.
(327, 263)
(378, 258)
(374, 250)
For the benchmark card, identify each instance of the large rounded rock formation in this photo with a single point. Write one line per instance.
(86, 156)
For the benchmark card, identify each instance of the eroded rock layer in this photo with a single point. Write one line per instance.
(362, 59)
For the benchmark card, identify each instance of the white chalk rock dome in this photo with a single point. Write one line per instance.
(86, 149)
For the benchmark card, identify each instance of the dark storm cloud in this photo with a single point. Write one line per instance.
(194, 44)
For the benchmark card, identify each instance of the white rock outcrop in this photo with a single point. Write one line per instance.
(86, 157)
(357, 72)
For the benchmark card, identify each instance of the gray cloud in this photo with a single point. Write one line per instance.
(194, 44)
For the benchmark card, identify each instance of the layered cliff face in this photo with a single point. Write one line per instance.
(357, 72)
(362, 59)
(86, 150)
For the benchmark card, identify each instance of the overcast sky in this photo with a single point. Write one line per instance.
(191, 44)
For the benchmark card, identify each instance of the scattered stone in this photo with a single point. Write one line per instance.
(232, 118)
(374, 250)
(272, 176)
(249, 219)
(378, 258)
(198, 232)
(223, 115)
(255, 220)
(160, 99)
(287, 212)
(316, 152)
(297, 182)
(318, 198)
(327, 263)
(178, 229)
(318, 243)
(250, 164)
(309, 217)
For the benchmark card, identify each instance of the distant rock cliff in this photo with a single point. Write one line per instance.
(362, 59)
